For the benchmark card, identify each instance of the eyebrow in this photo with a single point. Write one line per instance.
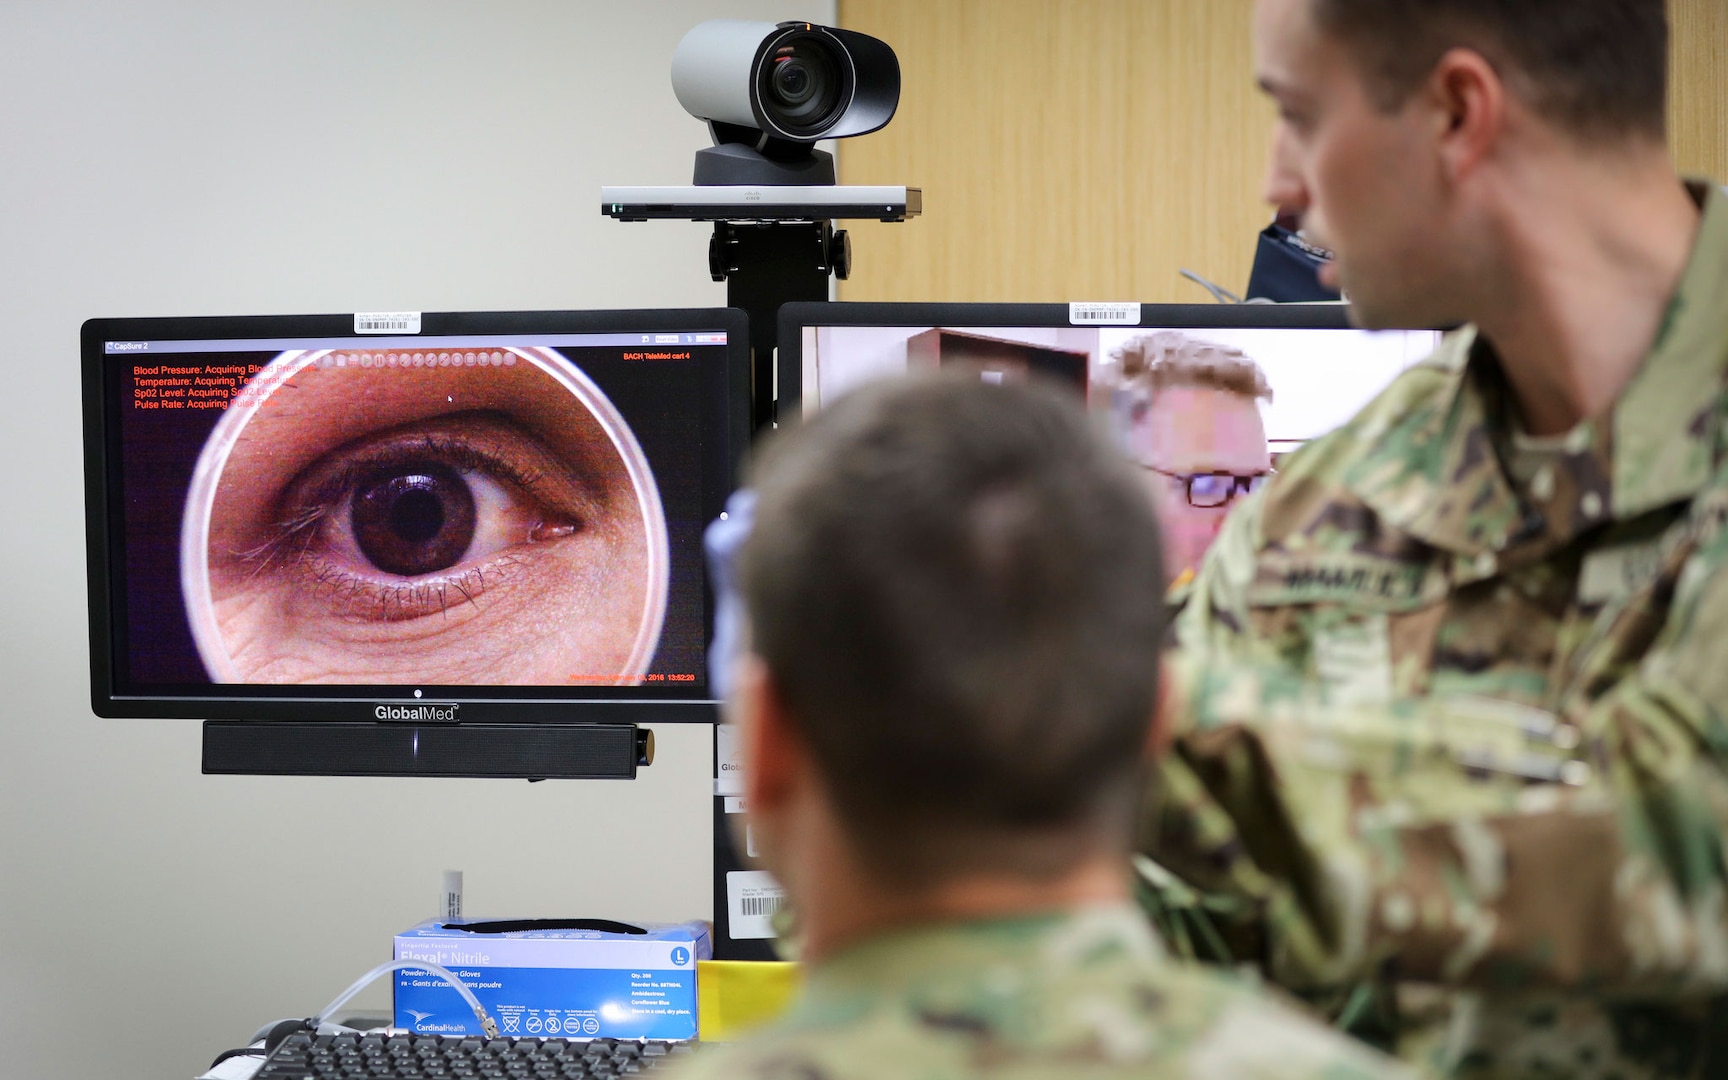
(1218, 470)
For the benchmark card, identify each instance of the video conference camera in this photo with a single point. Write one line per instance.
(770, 90)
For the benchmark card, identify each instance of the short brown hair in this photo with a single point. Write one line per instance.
(1593, 68)
(1167, 358)
(957, 589)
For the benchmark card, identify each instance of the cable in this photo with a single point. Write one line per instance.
(487, 1025)
(244, 1051)
(271, 1034)
(1219, 293)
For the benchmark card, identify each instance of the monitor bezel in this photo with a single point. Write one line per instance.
(726, 428)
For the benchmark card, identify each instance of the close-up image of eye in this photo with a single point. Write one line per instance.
(387, 517)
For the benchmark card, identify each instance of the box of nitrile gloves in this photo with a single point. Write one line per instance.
(585, 978)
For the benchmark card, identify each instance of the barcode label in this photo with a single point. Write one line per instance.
(752, 898)
(1123, 314)
(387, 322)
(762, 905)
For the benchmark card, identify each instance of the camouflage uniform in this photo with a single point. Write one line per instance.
(1459, 715)
(1087, 994)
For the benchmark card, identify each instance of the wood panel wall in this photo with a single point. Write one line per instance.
(1089, 150)
(1698, 87)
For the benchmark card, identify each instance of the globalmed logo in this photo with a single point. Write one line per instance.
(418, 714)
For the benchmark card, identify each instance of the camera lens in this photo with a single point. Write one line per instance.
(793, 83)
(802, 85)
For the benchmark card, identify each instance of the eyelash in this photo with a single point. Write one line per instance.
(296, 534)
(450, 452)
(395, 602)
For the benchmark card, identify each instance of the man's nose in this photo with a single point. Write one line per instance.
(1283, 185)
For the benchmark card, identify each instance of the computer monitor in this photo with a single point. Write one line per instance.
(1320, 370)
(459, 543)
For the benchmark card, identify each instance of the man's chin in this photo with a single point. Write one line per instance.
(1368, 311)
(1377, 307)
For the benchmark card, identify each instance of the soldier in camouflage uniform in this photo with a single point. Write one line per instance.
(1457, 682)
(951, 590)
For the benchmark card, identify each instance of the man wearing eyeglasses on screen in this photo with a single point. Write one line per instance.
(1187, 411)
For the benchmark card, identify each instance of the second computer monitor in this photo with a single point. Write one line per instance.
(1206, 401)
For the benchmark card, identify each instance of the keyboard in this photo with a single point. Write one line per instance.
(303, 1056)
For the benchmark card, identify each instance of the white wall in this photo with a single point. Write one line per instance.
(167, 158)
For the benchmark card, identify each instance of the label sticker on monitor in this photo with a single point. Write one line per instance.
(1096, 314)
(386, 322)
(752, 898)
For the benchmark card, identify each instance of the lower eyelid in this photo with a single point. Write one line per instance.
(339, 592)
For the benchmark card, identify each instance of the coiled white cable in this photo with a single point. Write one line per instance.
(487, 1025)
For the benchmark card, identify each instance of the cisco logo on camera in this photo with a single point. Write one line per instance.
(417, 714)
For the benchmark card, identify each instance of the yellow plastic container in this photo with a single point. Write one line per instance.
(733, 996)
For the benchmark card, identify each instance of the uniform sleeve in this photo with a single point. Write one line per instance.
(1459, 841)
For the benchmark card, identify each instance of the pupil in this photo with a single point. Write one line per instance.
(417, 515)
(413, 519)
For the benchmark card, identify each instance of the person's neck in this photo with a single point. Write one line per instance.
(840, 902)
(1584, 277)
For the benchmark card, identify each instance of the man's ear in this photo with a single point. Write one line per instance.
(1468, 99)
(773, 751)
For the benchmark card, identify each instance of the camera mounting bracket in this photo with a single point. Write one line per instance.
(761, 202)
(766, 264)
(777, 164)
(772, 245)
